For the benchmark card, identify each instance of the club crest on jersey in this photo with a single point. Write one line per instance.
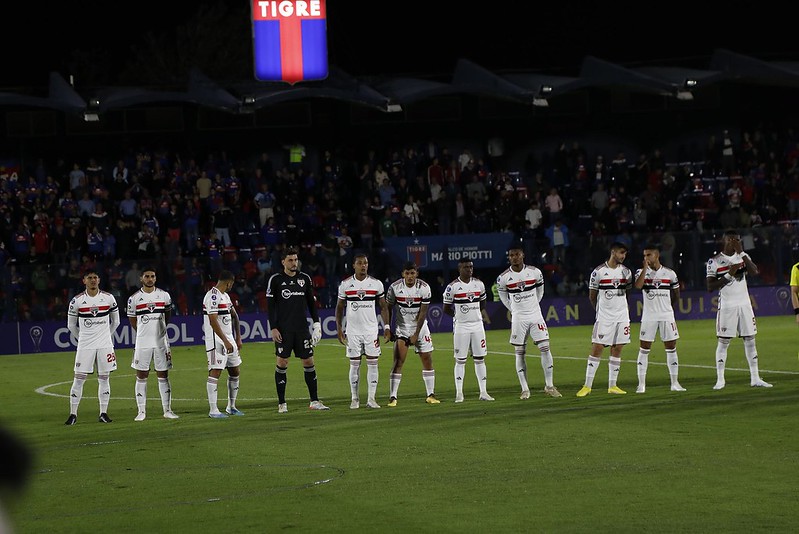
(301, 282)
(361, 293)
(151, 307)
(616, 282)
(470, 295)
(94, 310)
(656, 283)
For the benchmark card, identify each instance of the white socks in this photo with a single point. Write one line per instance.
(232, 391)
(673, 364)
(590, 370)
(211, 388)
(141, 394)
(521, 366)
(547, 364)
(429, 378)
(372, 375)
(394, 380)
(480, 372)
(614, 364)
(643, 365)
(355, 377)
(165, 389)
(103, 392)
(750, 350)
(76, 392)
(460, 372)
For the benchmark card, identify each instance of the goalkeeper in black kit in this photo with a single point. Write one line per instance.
(289, 298)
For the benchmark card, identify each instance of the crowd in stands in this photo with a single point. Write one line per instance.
(191, 215)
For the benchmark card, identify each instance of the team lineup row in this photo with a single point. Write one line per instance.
(93, 316)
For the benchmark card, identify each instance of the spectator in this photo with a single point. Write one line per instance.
(265, 201)
(553, 205)
(558, 235)
(85, 205)
(77, 179)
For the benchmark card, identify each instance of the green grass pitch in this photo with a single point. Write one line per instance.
(702, 460)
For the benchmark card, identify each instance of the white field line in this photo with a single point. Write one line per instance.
(43, 390)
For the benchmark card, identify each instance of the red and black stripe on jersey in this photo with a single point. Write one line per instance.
(410, 302)
(94, 311)
(463, 298)
(150, 307)
(360, 295)
(724, 269)
(222, 309)
(89, 310)
(524, 285)
(606, 284)
(656, 283)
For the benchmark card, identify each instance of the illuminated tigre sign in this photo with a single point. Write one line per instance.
(289, 40)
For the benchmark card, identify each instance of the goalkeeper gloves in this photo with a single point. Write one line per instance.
(316, 334)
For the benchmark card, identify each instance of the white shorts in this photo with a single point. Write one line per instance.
(424, 343)
(736, 321)
(220, 359)
(358, 345)
(474, 340)
(106, 360)
(142, 358)
(535, 328)
(666, 329)
(608, 334)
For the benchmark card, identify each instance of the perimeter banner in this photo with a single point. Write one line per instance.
(53, 336)
(289, 40)
(434, 252)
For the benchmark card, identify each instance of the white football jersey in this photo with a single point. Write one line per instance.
(217, 303)
(657, 293)
(736, 292)
(612, 285)
(149, 310)
(362, 297)
(94, 317)
(524, 289)
(406, 302)
(465, 298)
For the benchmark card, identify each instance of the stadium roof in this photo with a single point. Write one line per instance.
(390, 94)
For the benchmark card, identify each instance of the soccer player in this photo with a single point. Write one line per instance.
(149, 310)
(409, 298)
(726, 272)
(661, 293)
(521, 288)
(289, 297)
(795, 290)
(222, 344)
(357, 294)
(465, 301)
(92, 318)
(607, 291)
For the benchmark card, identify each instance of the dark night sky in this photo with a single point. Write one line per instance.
(412, 38)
